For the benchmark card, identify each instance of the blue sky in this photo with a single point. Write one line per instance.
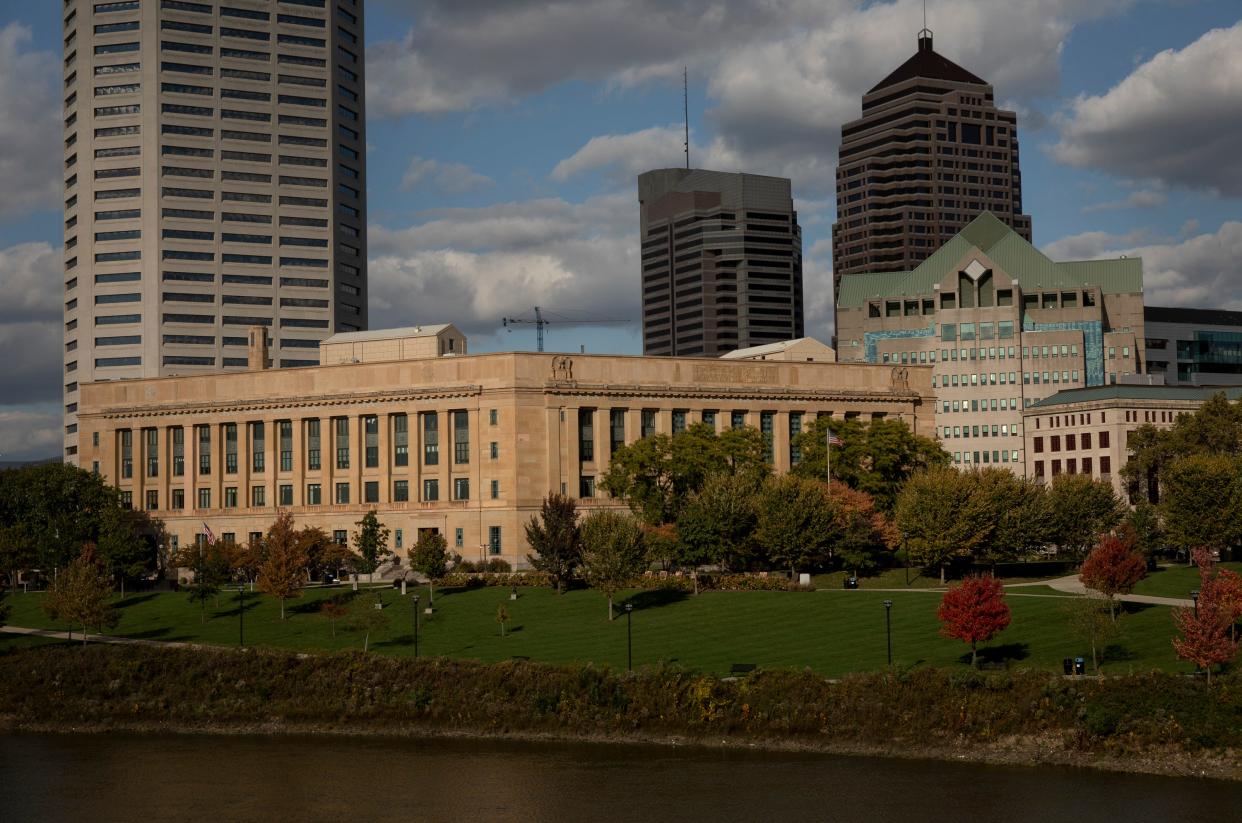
(505, 136)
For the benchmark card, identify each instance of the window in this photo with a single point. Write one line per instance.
(258, 446)
(767, 421)
(431, 491)
(461, 437)
(127, 453)
(314, 494)
(494, 450)
(795, 429)
(586, 435)
(495, 489)
(341, 425)
(258, 496)
(401, 440)
(431, 438)
(178, 451)
(204, 498)
(342, 494)
(493, 540)
(151, 447)
(459, 538)
(178, 500)
(230, 448)
(370, 491)
(204, 449)
(312, 445)
(616, 424)
(679, 420)
(461, 488)
(401, 491)
(1103, 445)
(648, 423)
(586, 487)
(370, 425)
(284, 495)
(1106, 465)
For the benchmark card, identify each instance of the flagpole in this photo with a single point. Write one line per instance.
(828, 455)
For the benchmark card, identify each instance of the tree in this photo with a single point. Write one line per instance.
(1019, 515)
(794, 523)
(1114, 567)
(1215, 428)
(334, 609)
(663, 544)
(81, 593)
(974, 612)
(554, 536)
(1201, 496)
(283, 573)
(941, 517)
(367, 617)
(371, 544)
(1081, 509)
(502, 617)
(1091, 620)
(16, 551)
(612, 551)
(877, 457)
(324, 555)
(429, 557)
(862, 534)
(1222, 587)
(213, 565)
(250, 559)
(1205, 636)
(717, 525)
(1142, 523)
(125, 551)
(62, 506)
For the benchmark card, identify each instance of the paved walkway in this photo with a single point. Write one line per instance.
(93, 638)
(1072, 585)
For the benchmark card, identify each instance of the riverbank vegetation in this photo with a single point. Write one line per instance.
(1156, 722)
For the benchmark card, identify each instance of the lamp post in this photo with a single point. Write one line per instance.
(888, 628)
(415, 601)
(241, 614)
(1194, 595)
(629, 637)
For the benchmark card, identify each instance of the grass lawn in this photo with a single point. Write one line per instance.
(1175, 581)
(896, 579)
(831, 631)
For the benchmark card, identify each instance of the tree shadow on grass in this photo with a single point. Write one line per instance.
(314, 606)
(150, 634)
(651, 599)
(134, 600)
(1000, 655)
(1134, 608)
(1117, 653)
(400, 641)
(250, 606)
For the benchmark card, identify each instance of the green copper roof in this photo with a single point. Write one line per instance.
(1123, 392)
(1018, 258)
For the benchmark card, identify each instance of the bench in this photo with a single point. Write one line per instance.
(741, 668)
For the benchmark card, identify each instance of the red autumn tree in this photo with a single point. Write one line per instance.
(1207, 636)
(974, 612)
(1113, 567)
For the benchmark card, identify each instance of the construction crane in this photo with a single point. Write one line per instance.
(547, 317)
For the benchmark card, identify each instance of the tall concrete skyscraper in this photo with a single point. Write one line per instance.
(930, 153)
(215, 179)
(721, 262)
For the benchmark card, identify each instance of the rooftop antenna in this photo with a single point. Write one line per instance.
(685, 100)
(925, 35)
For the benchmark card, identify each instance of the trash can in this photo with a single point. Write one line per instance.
(1068, 665)
(851, 582)
(1080, 666)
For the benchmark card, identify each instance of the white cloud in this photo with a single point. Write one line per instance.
(1175, 118)
(447, 178)
(31, 278)
(30, 127)
(30, 433)
(31, 339)
(475, 266)
(1201, 270)
(1141, 199)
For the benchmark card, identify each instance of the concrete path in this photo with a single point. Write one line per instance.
(93, 638)
(1072, 585)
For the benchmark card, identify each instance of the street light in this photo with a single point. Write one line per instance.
(241, 615)
(1194, 595)
(629, 637)
(888, 628)
(415, 601)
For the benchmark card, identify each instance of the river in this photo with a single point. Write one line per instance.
(124, 777)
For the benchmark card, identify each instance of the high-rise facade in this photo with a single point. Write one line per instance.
(721, 262)
(930, 153)
(215, 179)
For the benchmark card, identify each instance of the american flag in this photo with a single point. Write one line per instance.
(211, 536)
(833, 440)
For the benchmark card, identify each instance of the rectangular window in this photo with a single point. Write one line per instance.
(459, 537)
(616, 427)
(151, 445)
(709, 418)
(431, 491)
(286, 495)
(312, 445)
(431, 438)
(648, 423)
(204, 450)
(314, 494)
(341, 444)
(258, 447)
(401, 491)
(230, 448)
(737, 419)
(127, 453)
(285, 428)
(370, 425)
(401, 440)
(586, 487)
(795, 429)
(461, 437)
(258, 496)
(461, 488)
(342, 494)
(178, 499)
(494, 450)
(495, 489)
(493, 540)
(586, 435)
(230, 497)
(679, 420)
(204, 498)
(178, 451)
(767, 423)
(370, 491)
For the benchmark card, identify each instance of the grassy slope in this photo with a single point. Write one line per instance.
(830, 631)
(1175, 581)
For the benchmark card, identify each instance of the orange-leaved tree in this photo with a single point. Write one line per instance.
(1205, 633)
(283, 572)
(1113, 567)
(974, 612)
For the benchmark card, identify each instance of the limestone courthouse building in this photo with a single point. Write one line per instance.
(408, 423)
